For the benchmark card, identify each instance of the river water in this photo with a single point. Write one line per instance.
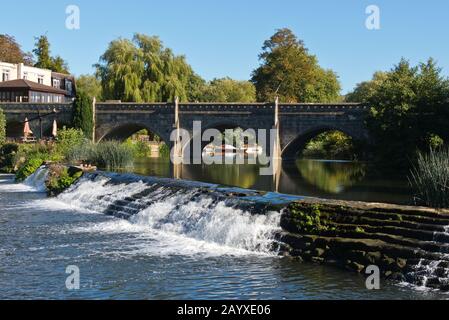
(316, 178)
(177, 248)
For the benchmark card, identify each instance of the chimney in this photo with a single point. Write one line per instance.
(19, 70)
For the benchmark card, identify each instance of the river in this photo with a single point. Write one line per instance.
(342, 180)
(193, 251)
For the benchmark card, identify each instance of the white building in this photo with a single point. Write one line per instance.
(10, 71)
(21, 83)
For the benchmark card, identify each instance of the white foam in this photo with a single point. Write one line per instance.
(174, 223)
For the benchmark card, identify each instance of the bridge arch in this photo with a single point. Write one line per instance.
(294, 146)
(220, 125)
(122, 131)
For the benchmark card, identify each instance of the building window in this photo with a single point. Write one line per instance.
(56, 83)
(25, 75)
(68, 86)
(40, 79)
(5, 75)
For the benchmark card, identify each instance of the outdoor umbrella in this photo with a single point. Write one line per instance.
(54, 132)
(26, 129)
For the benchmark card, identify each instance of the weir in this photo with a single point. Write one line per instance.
(408, 244)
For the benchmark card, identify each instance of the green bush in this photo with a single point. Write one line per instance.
(28, 151)
(29, 167)
(67, 140)
(140, 149)
(430, 178)
(60, 178)
(7, 155)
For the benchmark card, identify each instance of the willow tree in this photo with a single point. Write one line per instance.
(90, 85)
(142, 69)
(288, 70)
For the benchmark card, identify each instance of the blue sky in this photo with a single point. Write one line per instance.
(224, 38)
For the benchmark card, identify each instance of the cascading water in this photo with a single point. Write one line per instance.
(37, 179)
(164, 206)
(432, 273)
(176, 216)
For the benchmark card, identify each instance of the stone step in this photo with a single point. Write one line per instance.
(420, 235)
(387, 217)
(117, 213)
(118, 208)
(392, 223)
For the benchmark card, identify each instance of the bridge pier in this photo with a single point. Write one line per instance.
(177, 144)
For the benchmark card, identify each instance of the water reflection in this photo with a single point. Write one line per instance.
(331, 176)
(244, 176)
(316, 178)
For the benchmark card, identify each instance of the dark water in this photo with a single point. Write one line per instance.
(121, 259)
(316, 178)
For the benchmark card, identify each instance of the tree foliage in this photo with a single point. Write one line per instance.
(365, 90)
(11, 52)
(229, 90)
(142, 69)
(44, 58)
(83, 113)
(333, 145)
(409, 111)
(90, 85)
(289, 71)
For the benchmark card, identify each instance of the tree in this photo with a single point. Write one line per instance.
(83, 114)
(196, 88)
(141, 69)
(228, 90)
(90, 85)
(409, 111)
(289, 71)
(2, 127)
(45, 60)
(331, 145)
(365, 90)
(59, 65)
(11, 52)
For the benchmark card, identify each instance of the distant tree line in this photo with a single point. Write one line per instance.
(142, 69)
(409, 104)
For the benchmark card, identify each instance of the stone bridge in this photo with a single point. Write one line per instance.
(295, 123)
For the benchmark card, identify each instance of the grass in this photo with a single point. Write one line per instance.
(430, 177)
(105, 155)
